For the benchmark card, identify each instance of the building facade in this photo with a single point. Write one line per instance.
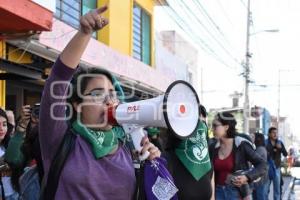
(125, 47)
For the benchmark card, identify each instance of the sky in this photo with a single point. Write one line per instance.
(218, 30)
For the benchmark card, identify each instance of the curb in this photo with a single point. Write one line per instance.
(287, 193)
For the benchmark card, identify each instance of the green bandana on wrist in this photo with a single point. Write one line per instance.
(193, 153)
(102, 142)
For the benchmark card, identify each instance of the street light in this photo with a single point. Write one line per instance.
(246, 113)
(267, 30)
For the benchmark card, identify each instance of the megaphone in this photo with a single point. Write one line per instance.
(178, 110)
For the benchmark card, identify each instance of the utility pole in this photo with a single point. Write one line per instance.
(278, 103)
(246, 112)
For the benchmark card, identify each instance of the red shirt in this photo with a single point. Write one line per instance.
(223, 168)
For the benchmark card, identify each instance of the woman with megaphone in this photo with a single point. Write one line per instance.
(84, 157)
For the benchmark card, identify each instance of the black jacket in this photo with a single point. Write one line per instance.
(244, 152)
(189, 188)
(274, 153)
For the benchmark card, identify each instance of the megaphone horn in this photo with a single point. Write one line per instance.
(178, 110)
(181, 109)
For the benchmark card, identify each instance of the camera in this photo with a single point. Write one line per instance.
(3, 165)
(35, 110)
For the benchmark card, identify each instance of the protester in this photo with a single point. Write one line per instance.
(260, 186)
(24, 157)
(99, 166)
(231, 155)
(189, 163)
(7, 191)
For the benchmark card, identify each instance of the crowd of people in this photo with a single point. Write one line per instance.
(46, 156)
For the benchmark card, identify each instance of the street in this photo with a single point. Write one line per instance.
(295, 189)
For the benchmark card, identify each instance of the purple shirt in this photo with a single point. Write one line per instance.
(83, 177)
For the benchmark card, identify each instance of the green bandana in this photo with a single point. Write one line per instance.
(193, 153)
(102, 142)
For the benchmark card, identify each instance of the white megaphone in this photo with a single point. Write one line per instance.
(177, 110)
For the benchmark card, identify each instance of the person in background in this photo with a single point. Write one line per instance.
(203, 118)
(275, 148)
(190, 165)
(24, 156)
(154, 137)
(7, 191)
(290, 159)
(11, 119)
(231, 155)
(260, 191)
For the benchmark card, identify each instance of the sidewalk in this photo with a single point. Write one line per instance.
(294, 189)
(287, 180)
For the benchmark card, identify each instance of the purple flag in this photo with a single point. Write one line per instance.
(159, 184)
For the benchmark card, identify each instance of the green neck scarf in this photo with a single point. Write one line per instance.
(193, 153)
(102, 142)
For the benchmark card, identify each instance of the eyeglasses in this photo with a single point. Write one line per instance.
(100, 96)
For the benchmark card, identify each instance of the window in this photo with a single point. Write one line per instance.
(88, 5)
(141, 35)
(69, 11)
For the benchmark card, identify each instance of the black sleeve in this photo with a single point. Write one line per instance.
(260, 165)
(283, 150)
(157, 143)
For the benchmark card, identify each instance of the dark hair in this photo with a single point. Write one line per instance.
(272, 129)
(203, 111)
(85, 74)
(30, 150)
(226, 118)
(9, 129)
(259, 139)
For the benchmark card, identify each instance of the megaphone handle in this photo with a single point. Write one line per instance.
(137, 136)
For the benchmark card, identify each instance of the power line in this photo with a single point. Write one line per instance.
(215, 39)
(197, 39)
(14, 50)
(244, 4)
(23, 53)
(224, 12)
(7, 54)
(203, 10)
(57, 37)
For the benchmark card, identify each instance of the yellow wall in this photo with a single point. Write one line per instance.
(2, 82)
(18, 55)
(118, 34)
(15, 55)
